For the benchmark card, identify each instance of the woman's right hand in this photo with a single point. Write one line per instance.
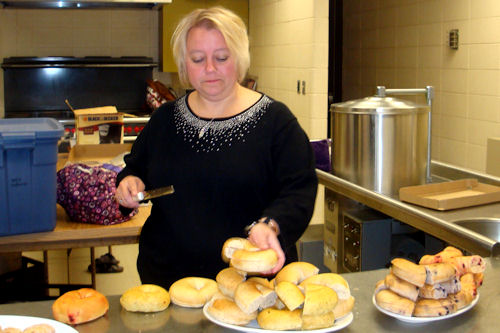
(127, 190)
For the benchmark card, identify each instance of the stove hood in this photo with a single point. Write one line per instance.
(82, 4)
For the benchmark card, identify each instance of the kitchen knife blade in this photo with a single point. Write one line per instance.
(157, 192)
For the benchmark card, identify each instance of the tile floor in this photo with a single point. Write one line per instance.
(72, 268)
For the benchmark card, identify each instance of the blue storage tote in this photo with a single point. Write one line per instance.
(28, 158)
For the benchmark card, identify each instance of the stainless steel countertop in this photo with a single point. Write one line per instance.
(482, 318)
(437, 223)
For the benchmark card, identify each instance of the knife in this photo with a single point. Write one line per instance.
(157, 192)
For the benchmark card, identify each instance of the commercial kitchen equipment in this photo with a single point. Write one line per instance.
(382, 143)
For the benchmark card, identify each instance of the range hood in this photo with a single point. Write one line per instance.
(76, 4)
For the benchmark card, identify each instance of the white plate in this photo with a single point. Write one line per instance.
(417, 320)
(23, 322)
(340, 323)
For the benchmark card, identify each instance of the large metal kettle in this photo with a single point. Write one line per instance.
(382, 143)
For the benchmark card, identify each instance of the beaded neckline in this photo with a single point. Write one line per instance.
(205, 135)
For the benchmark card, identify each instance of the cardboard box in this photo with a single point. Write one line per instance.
(493, 156)
(97, 154)
(450, 195)
(98, 125)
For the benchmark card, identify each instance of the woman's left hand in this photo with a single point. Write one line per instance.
(266, 238)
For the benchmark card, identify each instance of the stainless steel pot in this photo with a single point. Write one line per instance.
(381, 143)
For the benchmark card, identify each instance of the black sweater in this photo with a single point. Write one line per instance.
(226, 173)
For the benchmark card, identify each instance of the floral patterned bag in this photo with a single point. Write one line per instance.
(87, 194)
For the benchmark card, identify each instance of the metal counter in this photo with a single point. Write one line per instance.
(440, 224)
(482, 318)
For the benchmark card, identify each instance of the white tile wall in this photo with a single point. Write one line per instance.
(289, 42)
(467, 103)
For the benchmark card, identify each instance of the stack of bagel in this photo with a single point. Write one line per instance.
(438, 285)
(298, 298)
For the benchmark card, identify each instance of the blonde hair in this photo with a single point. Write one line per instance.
(230, 26)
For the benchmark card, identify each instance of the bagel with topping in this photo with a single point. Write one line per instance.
(245, 256)
(409, 271)
(80, 306)
(402, 287)
(192, 292)
(145, 298)
(390, 301)
(439, 272)
(434, 307)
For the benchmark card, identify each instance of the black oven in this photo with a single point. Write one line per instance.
(39, 87)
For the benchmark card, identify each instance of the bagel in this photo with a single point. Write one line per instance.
(296, 272)
(251, 296)
(343, 307)
(192, 292)
(39, 328)
(439, 272)
(226, 310)
(280, 320)
(330, 280)
(289, 294)
(254, 261)
(319, 300)
(440, 290)
(401, 287)
(236, 243)
(434, 307)
(380, 285)
(409, 271)
(145, 298)
(243, 255)
(228, 279)
(79, 306)
(468, 264)
(315, 322)
(392, 302)
(461, 299)
(443, 256)
(263, 281)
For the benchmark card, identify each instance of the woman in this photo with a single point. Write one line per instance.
(232, 154)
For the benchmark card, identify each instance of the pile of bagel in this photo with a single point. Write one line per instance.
(298, 298)
(438, 285)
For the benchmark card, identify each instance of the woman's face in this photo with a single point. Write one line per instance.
(210, 66)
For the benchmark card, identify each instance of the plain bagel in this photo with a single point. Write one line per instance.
(280, 320)
(228, 279)
(243, 255)
(192, 292)
(226, 310)
(251, 296)
(296, 272)
(145, 298)
(79, 306)
(330, 280)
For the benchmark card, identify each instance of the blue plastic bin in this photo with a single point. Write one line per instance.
(28, 158)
